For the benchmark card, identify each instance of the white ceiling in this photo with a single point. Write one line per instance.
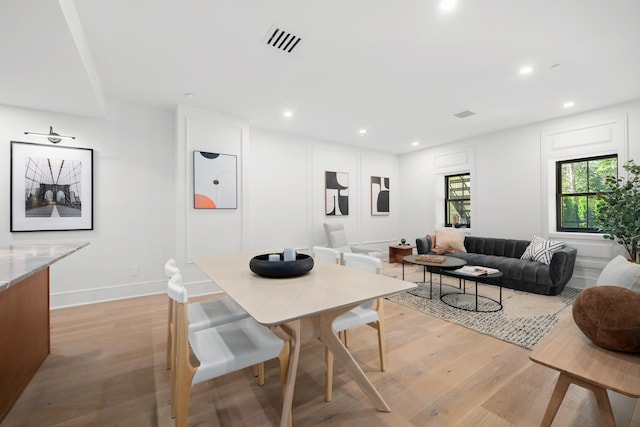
(400, 69)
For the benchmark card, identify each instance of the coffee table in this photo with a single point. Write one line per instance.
(491, 279)
(449, 263)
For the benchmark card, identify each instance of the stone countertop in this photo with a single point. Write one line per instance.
(22, 260)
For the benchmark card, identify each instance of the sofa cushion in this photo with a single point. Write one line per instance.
(492, 246)
(513, 269)
(451, 239)
(542, 250)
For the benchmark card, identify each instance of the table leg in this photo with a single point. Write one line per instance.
(293, 330)
(476, 295)
(564, 381)
(330, 339)
(556, 399)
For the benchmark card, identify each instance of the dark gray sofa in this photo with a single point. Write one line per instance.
(504, 254)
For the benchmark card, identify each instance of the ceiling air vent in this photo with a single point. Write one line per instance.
(463, 114)
(282, 39)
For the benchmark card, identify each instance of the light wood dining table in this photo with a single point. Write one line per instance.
(304, 307)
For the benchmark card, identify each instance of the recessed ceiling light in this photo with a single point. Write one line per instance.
(555, 67)
(447, 6)
(415, 143)
(527, 69)
(188, 95)
(568, 104)
(362, 132)
(288, 114)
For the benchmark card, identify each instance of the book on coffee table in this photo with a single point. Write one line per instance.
(476, 270)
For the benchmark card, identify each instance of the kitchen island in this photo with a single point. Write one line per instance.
(24, 313)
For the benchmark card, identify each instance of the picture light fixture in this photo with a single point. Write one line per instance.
(51, 136)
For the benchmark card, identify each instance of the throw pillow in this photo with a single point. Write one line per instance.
(450, 239)
(542, 250)
(621, 272)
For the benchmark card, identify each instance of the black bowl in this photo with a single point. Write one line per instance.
(280, 269)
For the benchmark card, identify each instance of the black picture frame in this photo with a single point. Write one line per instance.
(51, 188)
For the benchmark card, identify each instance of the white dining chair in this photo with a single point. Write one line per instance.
(220, 350)
(322, 253)
(202, 314)
(369, 313)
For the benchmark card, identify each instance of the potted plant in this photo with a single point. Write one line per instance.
(618, 210)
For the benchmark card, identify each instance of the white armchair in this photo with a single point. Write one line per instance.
(337, 239)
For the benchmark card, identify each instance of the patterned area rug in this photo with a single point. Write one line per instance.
(524, 319)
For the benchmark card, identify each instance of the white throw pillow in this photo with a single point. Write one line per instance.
(621, 272)
(542, 250)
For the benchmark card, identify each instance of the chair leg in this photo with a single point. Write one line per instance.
(346, 338)
(328, 375)
(184, 376)
(261, 373)
(172, 389)
(170, 334)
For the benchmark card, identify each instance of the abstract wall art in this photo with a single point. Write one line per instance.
(336, 193)
(214, 181)
(51, 188)
(379, 195)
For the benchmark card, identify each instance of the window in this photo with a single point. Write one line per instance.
(457, 203)
(577, 184)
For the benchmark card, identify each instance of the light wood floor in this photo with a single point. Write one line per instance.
(106, 368)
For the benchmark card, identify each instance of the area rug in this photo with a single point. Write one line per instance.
(524, 319)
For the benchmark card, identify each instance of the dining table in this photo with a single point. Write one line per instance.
(304, 307)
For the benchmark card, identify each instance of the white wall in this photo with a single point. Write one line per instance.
(509, 196)
(281, 191)
(133, 199)
(143, 193)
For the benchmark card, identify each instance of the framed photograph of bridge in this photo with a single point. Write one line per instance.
(51, 188)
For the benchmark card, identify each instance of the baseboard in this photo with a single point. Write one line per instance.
(124, 291)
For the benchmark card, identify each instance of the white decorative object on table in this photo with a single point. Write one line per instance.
(289, 254)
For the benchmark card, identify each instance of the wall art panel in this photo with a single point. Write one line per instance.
(336, 193)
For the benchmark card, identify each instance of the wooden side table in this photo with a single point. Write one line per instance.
(396, 252)
(579, 361)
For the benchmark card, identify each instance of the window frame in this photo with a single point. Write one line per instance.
(447, 223)
(560, 194)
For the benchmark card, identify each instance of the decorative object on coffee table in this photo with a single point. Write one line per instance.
(608, 316)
